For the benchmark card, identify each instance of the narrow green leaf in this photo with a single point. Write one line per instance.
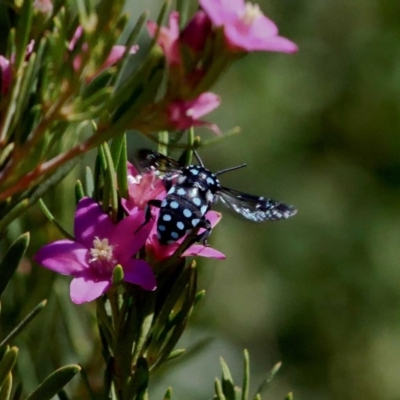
(23, 323)
(246, 375)
(89, 182)
(79, 191)
(54, 383)
(53, 220)
(264, 384)
(175, 354)
(6, 152)
(7, 363)
(5, 391)
(182, 6)
(110, 189)
(12, 214)
(160, 18)
(122, 171)
(11, 260)
(168, 394)
(199, 296)
(18, 392)
(131, 40)
(24, 27)
(218, 390)
(139, 382)
(227, 381)
(116, 146)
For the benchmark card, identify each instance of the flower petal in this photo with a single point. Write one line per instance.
(126, 240)
(203, 251)
(63, 256)
(83, 289)
(185, 114)
(222, 11)
(140, 273)
(91, 221)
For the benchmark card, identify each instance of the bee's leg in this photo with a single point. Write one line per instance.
(147, 212)
(203, 236)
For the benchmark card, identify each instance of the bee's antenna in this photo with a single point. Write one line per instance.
(230, 169)
(198, 157)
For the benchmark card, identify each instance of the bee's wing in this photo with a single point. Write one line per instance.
(255, 208)
(152, 161)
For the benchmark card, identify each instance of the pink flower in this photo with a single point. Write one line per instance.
(5, 75)
(115, 55)
(168, 38)
(98, 247)
(141, 189)
(245, 26)
(160, 252)
(197, 32)
(185, 114)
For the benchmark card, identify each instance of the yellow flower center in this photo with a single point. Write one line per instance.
(102, 251)
(251, 13)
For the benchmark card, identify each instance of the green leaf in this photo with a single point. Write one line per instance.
(289, 396)
(23, 323)
(79, 191)
(13, 213)
(246, 375)
(89, 182)
(53, 220)
(168, 394)
(24, 27)
(264, 384)
(218, 390)
(139, 382)
(199, 296)
(110, 196)
(228, 386)
(11, 260)
(131, 40)
(54, 383)
(175, 354)
(122, 171)
(18, 392)
(7, 363)
(5, 391)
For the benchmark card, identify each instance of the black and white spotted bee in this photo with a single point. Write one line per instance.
(192, 190)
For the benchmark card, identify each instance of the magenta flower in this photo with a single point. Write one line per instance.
(115, 55)
(160, 252)
(185, 114)
(98, 247)
(143, 188)
(168, 38)
(245, 26)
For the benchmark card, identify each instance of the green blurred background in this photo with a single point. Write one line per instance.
(319, 292)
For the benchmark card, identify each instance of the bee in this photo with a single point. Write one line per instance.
(191, 192)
